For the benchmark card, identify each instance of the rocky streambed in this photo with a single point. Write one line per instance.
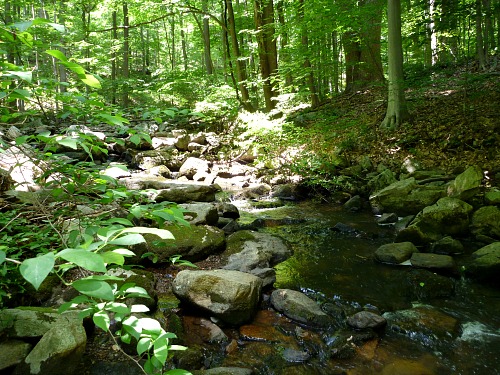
(404, 282)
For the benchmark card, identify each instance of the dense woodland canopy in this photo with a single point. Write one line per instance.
(185, 53)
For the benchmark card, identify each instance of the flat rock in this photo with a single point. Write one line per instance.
(395, 253)
(366, 319)
(299, 307)
(466, 184)
(485, 264)
(201, 213)
(432, 261)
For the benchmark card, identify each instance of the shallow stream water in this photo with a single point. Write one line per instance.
(339, 268)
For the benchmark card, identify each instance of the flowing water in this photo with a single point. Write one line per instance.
(443, 334)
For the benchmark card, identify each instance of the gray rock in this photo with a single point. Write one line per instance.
(466, 184)
(164, 142)
(231, 296)
(354, 204)
(434, 262)
(58, 352)
(172, 191)
(265, 250)
(13, 352)
(193, 243)
(366, 319)
(146, 160)
(447, 245)
(486, 263)
(228, 210)
(299, 307)
(200, 213)
(405, 197)
(486, 222)
(199, 138)
(182, 142)
(449, 216)
(116, 172)
(193, 166)
(395, 253)
(193, 146)
(388, 218)
(382, 180)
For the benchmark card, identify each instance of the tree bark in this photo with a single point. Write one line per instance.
(304, 40)
(362, 48)
(126, 54)
(264, 25)
(397, 111)
(240, 65)
(207, 54)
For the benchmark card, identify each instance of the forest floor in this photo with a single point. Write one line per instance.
(455, 122)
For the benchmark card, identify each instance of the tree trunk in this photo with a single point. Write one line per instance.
(183, 46)
(240, 65)
(397, 111)
(114, 56)
(480, 52)
(307, 63)
(264, 25)
(284, 55)
(126, 54)
(207, 54)
(362, 48)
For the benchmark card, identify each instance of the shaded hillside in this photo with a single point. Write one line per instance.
(455, 122)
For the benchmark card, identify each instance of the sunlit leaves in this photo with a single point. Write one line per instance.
(35, 270)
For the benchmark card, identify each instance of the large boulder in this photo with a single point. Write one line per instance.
(466, 184)
(449, 216)
(255, 253)
(231, 296)
(202, 213)
(61, 343)
(193, 243)
(299, 307)
(405, 197)
(486, 223)
(172, 191)
(366, 319)
(194, 167)
(485, 263)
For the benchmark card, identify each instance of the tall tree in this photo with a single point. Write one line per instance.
(397, 111)
(268, 56)
(126, 55)
(362, 45)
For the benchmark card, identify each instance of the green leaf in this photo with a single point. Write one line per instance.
(101, 319)
(68, 142)
(131, 326)
(150, 326)
(128, 240)
(177, 371)
(22, 26)
(104, 278)
(92, 81)
(135, 139)
(76, 68)
(126, 338)
(177, 347)
(124, 252)
(161, 349)
(110, 257)
(83, 258)
(118, 307)
(139, 308)
(94, 288)
(136, 291)
(143, 345)
(114, 120)
(2, 256)
(162, 233)
(35, 270)
(20, 94)
(26, 76)
(57, 54)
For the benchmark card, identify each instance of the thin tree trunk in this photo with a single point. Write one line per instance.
(307, 63)
(240, 65)
(264, 21)
(480, 52)
(126, 54)
(183, 46)
(114, 56)
(207, 54)
(397, 111)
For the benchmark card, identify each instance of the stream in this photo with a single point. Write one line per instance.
(339, 268)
